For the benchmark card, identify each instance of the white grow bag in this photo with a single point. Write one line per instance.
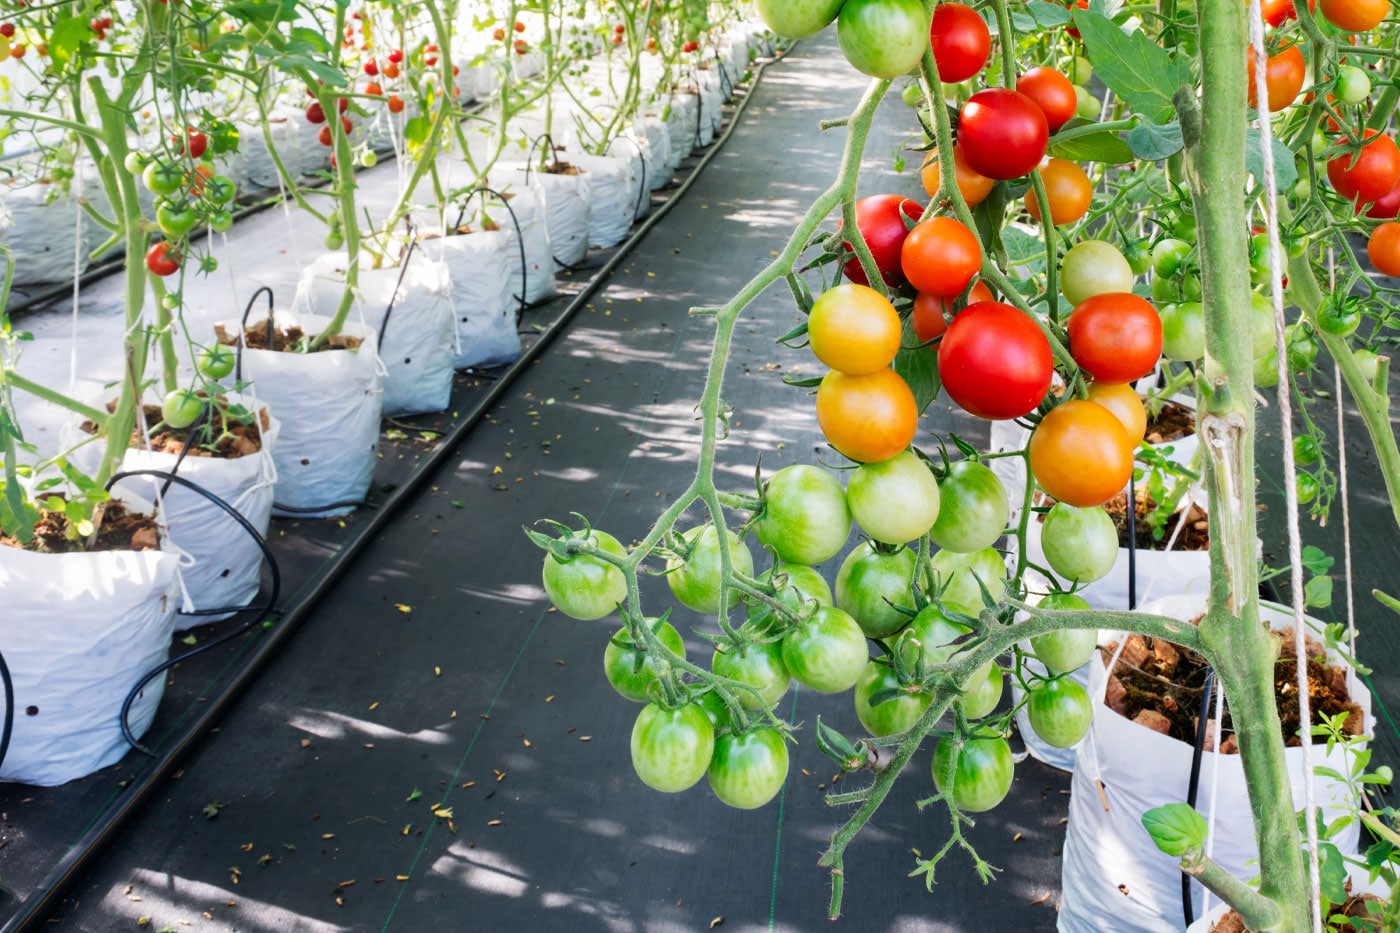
(328, 404)
(528, 204)
(479, 269)
(658, 151)
(632, 152)
(82, 629)
(419, 348)
(711, 107)
(567, 201)
(1114, 877)
(612, 197)
(681, 125)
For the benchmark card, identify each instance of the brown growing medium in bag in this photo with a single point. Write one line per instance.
(1172, 423)
(227, 439)
(1357, 907)
(1194, 536)
(121, 530)
(1159, 685)
(285, 340)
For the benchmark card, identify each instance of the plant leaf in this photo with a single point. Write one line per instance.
(1175, 827)
(1138, 70)
(1153, 143)
(919, 367)
(1285, 172)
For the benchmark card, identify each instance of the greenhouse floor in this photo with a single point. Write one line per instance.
(436, 749)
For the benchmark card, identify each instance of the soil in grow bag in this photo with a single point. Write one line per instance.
(227, 438)
(1194, 536)
(1366, 907)
(121, 530)
(1172, 423)
(1158, 685)
(286, 340)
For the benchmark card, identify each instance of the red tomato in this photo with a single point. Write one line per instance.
(1387, 205)
(880, 220)
(929, 317)
(995, 362)
(961, 42)
(1115, 336)
(1002, 133)
(1371, 175)
(1355, 15)
(1277, 12)
(940, 256)
(1080, 454)
(163, 259)
(1052, 92)
(1384, 248)
(1284, 74)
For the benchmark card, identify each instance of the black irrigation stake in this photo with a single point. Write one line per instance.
(403, 270)
(1132, 544)
(263, 609)
(1202, 721)
(642, 191)
(9, 708)
(243, 329)
(519, 239)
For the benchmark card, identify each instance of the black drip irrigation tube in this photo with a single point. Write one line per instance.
(107, 827)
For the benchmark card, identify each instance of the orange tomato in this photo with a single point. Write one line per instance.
(1068, 190)
(973, 187)
(1080, 454)
(1125, 404)
(854, 329)
(867, 418)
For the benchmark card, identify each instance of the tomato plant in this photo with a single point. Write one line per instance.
(867, 418)
(1002, 133)
(994, 361)
(748, 769)
(961, 42)
(854, 329)
(982, 771)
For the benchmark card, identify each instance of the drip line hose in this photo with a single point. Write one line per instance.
(519, 239)
(1132, 544)
(403, 270)
(9, 708)
(263, 609)
(1197, 751)
(642, 191)
(107, 826)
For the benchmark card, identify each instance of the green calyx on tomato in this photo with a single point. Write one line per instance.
(696, 579)
(961, 578)
(982, 771)
(928, 641)
(628, 667)
(884, 705)
(583, 586)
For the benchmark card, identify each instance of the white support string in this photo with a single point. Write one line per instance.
(1342, 473)
(1285, 404)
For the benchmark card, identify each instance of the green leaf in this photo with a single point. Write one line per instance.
(1133, 66)
(1153, 143)
(919, 367)
(1048, 14)
(415, 131)
(1316, 560)
(1099, 146)
(1285, 172)
(1175, 827)
(1317, 593)
(68, 36)
(1023, 249)
(414, 795)
(1333, 873)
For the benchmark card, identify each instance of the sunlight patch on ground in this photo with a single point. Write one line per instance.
(327, 725)
(482, 870)
(171, 900)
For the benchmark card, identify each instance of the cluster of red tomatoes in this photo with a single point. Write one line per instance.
(520, 45)
(187, 192)
(16, 50)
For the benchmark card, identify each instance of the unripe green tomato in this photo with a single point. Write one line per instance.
(1093, 267)
(913, 95)
(171, 301)
(1266, 370)
(1081, 544)
(135, 162)
(1339, 317)
(1307, 486)
(1086, 105)
(959, 574)
(1139, 257)
(1168, 254)
(1302, 188)
(1306, 450)
(1353, 85)
(1080, 72)
(334, 240)
(1183, 331)
(369, 159)
(1319, 141)
(1261, 325)
(1183, 225)
(1302, 348)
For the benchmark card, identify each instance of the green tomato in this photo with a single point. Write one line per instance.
(958, 575)
(1302, 348)
(796, 586)
(883, 38)
(1065, 650)
(221, 221)
(827, 652)
(1086, 105)
(1094, 267)
(135, 162)
(894, 716)
(369, 159)
(1339, 316)
(1261, 325)
(181, 408)
(219, 190)
(894, 501)
(627, 666)
(758, 664)
(972, 510)
(1168, 255)
(1353, 84)
(871, 584)
(583, 586)
(982, 692)
(216, 361)
(672, 748)
(1081, 544)
(1184, 331)
(1139, 258)
(1183, 225)
(175, 218)
(334, 240)
(929, 640)
(696, 581)
(1306, 450)
(1306, 486)
(912, 95)
(163, 178)
(1080, 71)
(748, 769)
(1059, 711)
(804, 517)
(982, 773)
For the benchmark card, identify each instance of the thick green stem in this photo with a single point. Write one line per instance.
(99, 418)
(1258, 912)
(1232, 631)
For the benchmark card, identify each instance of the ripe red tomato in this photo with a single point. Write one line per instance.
(314, 113)
(1277, 12)
(1385, 206)
(1002, 133)
(198, 143)
(961, 42)
(853, 329)
(1384, 248)
(1052, 92)
(973, 187)
(994, 361)
(1355, 15)
(940, 256)
(163, 259)
(1115, 336)
(325, 136)
(373, 89)
(930, 312)
(1068, 190)
(1373, 173)
(1284, 74)
(395, 104)
(880, 220)
(867, 418)
(1080, 454)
